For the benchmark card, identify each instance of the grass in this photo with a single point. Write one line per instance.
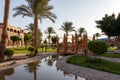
(115, 55)
(48, 49)
(103, 66)
(22, 50)
(112, 48)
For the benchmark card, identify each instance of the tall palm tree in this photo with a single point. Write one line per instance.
(49, 31)
(37, 9)
(97, 35)
(4, 33)
(30, 27)
(67, 27)
(81, 30)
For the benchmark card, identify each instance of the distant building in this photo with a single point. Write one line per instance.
(13, 31)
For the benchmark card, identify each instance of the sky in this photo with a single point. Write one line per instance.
(83, 13)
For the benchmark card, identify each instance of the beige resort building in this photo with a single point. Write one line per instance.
(13, 31)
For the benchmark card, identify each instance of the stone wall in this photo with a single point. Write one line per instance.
(13, 31)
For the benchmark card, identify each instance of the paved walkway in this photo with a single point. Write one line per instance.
(88, 73)
(111, 59)
(15, 63)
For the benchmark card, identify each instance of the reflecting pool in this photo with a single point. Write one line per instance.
(40, 70)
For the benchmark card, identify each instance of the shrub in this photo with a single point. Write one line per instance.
(9, 53)
(31, 49)
(111, 45)
(98, 47)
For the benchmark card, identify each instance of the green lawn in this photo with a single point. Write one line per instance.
(107, 66)
(22, 50)
(115, 55)
(48, 49)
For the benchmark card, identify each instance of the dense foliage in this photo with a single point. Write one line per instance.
(31, 49)
(110, 25)
(9, 53)
(27, 38)
(98, 47)
(14, 39)
(54, 39)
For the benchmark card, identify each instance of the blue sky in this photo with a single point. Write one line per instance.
(82, 13)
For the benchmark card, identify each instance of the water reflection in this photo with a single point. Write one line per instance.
(32, 68)
(51, 59)
(40, 70)
(7, 72)
(68, 74)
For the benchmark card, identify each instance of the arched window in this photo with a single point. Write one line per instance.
(11, 29)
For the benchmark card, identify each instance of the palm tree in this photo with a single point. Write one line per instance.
(97, 35)
(49, 31)
(4, 33)
(30, 27)
(67, 27)
(37, 9)
(81, 30)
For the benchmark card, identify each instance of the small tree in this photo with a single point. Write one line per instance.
(45, 42)
(14, 39)
(97, 35)
(97, 46)
(27, 39)
(49, 31)
(54, 39)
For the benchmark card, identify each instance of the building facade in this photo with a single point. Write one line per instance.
(13, 31)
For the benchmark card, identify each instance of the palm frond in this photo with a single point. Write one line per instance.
(36, 8)
(22, 10)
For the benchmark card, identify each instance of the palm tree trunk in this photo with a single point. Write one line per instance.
(49, 38)
(35, 35)
(4, 33)
(35, 74)
(118, 41)
(67, 34)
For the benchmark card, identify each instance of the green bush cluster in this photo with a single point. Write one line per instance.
(9, 53)
(31, 49)
(97, 46)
